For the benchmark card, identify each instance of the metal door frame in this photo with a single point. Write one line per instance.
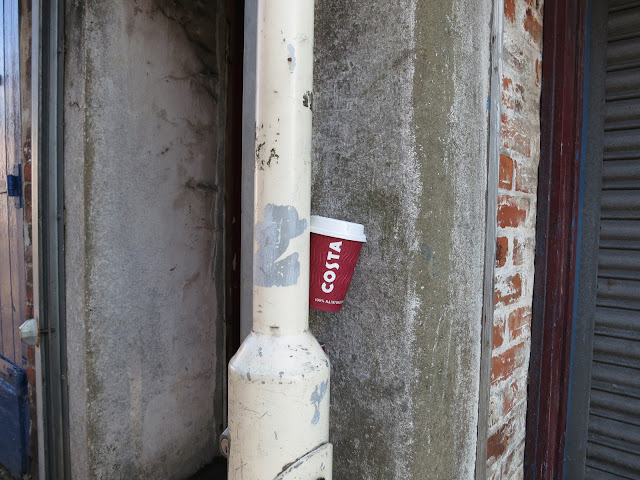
(48, 234)
(588, 240)
(556, 236)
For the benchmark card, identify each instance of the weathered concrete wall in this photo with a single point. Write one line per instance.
(144, 130)
(400, 137)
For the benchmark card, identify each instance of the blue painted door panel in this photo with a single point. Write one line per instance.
(14, 420)
(14, 417)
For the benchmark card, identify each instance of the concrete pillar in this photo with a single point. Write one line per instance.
(400, 145)
(144, 130)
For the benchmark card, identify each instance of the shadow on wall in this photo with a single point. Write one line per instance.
(196, 18)
(214, 471)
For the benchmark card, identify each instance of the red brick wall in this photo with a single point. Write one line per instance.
(31, 356)
(520, 148)
(25, 92)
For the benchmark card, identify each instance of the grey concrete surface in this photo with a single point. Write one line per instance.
(400, 138)
(144, 143)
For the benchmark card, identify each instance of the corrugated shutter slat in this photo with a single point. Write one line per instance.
(613, 448)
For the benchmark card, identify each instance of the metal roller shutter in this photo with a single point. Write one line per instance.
(613, 443)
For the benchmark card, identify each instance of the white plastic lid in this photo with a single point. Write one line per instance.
(331, 227)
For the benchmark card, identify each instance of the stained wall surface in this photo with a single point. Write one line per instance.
(144, 128)
(400, 138)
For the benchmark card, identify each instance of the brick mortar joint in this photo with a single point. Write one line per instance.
(510, 271)
(499, 388)
(511, 237)
(501, 462)
(505, 347)
(508, 418)
(504, 310)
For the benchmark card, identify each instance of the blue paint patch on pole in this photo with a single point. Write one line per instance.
(281, 224)
(316, 397)
(292, 57)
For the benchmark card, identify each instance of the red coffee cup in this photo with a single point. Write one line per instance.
(335, 247)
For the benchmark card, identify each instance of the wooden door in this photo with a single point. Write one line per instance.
(13, 383)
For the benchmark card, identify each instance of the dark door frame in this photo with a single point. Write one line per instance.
(47, 159)
(233, 176)
(587, 272)
(556, 236)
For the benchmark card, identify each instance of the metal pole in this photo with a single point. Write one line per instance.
(35, 196)
(279, 378)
